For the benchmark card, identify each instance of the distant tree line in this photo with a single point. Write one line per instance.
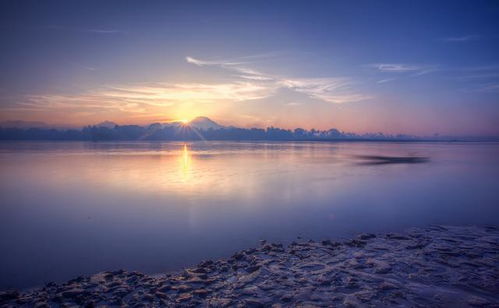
(161, 132)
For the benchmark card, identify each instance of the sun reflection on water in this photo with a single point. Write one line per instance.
(186, 164)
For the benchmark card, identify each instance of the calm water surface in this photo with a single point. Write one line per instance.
(68, 209)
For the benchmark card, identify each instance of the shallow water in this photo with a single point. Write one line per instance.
(74, 208)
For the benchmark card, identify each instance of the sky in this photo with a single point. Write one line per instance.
(411, 67)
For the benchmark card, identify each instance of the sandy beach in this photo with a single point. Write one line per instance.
(438, 266)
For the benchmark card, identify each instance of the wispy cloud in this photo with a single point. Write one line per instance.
(471, 73)
(385, 80)
(153, 99)
(487, 88)
(332, 90)
(85, 67)
(461, 39)
(192, 92)
(86, 30)
(102, 31)
(395, 68)
(483, 68)
(144, 99)
(206, 63)
(239, 67)
(256, 77)
(400, 68)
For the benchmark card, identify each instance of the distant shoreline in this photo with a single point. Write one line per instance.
(203, 128)
(439, 265)
(264, 140)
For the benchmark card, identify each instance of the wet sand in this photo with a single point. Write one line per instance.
(439, 266)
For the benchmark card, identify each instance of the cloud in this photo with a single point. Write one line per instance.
(85, 67)
(415, 70)
(461, 39)
(395, 68)
(86, 30)
(144, 99)
(484, 72)
(235, 66)
(193, 92)
(385, 80)
(206, 63)
(102, 31)
(256, 77)
(488, 88)
(196, 61)
(491, 67)
(155, 99)
(332, 89)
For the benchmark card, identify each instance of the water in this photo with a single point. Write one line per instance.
(72, 208)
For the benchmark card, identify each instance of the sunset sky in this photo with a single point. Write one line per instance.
(416, 67)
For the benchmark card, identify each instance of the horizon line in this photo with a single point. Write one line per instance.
(24, 125)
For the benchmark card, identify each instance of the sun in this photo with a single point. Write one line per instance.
(184, 121)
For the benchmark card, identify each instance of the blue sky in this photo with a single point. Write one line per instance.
(416, 67)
